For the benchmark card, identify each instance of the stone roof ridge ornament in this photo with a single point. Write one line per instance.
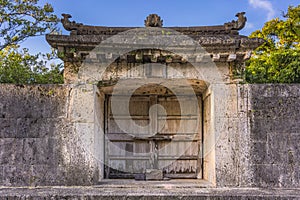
(239, 24)
(67, 24)
(153, 20)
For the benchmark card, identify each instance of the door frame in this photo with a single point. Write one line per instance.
(200, 161)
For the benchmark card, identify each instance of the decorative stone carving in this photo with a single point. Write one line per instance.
(239, 24)
(219, 40)
(68, 25)
(153, 20)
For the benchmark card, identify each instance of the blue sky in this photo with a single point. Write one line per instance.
(173, 12)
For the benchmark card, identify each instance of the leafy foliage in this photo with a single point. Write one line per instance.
(20, 19)
(22, 68)
(278, 60)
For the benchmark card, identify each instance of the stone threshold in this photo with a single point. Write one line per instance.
(165, 184)
(112, 191)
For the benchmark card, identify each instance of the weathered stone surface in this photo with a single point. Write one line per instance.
(258, 144)
(275, 129)
(153, 20)
(38, 145)
(1, 175)
(147, 191)
(154, 174)
(54, 135)
(17, 175)
(34, 101)
(108, 44)
(140, 177)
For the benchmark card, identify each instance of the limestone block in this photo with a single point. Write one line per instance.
(8, 128)
(156, 70)
(86, 136)
(37, 151)
(48, 175)
(267, 175)
(11, 151)
(33, 101)
(82, 104)
(259, 153)
(154, 174)
(17, 175)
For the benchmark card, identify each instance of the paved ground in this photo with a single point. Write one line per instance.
(146, 190)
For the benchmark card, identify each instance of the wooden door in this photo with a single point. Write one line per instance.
(175, 147)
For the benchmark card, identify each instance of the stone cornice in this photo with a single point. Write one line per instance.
(222, 42)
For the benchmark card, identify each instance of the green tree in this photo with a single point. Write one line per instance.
(20, 67)
(278, 60)
(19, 20)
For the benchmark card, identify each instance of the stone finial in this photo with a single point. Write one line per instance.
(239, 24)
(68, 25)
(153, 20)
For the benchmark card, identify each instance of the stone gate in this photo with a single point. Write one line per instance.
(153, 103)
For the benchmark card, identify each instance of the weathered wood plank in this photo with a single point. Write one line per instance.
(119, 137)
(179, 117)
(178, 126)
(162, 158)
(176, 150)
(113, 157)
(114, 128)
(178, 166)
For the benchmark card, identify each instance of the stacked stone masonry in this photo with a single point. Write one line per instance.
(39, 145)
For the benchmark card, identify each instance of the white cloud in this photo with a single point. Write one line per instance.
(263, 4)
(249, 26)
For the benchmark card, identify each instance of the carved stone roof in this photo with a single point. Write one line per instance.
(153, 20)
(222, 39)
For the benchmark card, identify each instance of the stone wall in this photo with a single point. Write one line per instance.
(37, 140)
(275, 135)
(259, 144)
(51, 135)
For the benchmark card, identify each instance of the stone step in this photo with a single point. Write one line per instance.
(169, 192)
